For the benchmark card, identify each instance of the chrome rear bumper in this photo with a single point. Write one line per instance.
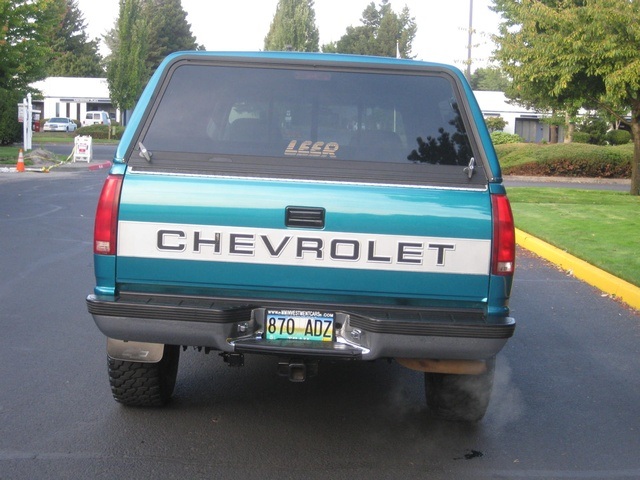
(360, 333)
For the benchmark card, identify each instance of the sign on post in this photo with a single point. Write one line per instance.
(25, 112)
(83, 149)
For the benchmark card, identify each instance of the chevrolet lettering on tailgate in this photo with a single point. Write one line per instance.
(310, 207)
(321, 249)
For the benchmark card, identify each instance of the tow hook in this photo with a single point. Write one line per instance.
(297, 370)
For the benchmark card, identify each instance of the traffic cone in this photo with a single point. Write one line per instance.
(20, 164)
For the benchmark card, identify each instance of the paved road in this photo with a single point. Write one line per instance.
(566, 403)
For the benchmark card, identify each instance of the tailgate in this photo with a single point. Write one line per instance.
(309, 241)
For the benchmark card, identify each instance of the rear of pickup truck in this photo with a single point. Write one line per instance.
(309, 207)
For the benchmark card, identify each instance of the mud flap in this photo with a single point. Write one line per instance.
(134, 351)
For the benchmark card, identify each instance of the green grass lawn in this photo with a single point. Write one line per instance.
(9, 155)
(600, 227)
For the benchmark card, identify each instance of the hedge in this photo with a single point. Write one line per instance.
(101, 132)
(566, 160)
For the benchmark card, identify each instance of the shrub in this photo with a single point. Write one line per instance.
(500, 138)
(581, 137)
(596, 128)
(566, 160)
(495, 124)
(101, 132)
(618, 137)
(10, 128)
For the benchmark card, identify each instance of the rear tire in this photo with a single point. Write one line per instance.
(461, 398)
(144, 384)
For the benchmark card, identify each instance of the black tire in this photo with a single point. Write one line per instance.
(145, 384)
(461, 398)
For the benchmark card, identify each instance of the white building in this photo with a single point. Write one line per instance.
(73, 97)
(520, 120)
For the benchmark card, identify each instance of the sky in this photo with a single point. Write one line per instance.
(241, 25)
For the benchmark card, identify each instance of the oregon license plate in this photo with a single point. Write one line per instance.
(299, 325)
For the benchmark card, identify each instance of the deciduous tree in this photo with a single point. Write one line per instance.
(490, 79)
(73, 54)
(293, 27)
(127, 70)
(25, 26)
(564, 54)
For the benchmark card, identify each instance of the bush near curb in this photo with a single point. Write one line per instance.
(566, 160)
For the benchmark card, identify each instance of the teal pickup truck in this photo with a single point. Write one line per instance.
(311, 207)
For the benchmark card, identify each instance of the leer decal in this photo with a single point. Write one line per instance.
(308, 148)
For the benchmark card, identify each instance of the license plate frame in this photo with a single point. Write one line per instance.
(299, 325)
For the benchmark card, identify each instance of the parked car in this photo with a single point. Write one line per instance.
(59, 124)
(96, 118)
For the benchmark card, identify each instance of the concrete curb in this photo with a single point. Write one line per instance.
(100, 166)
(64, 166)
(625, 291)
(576, 180)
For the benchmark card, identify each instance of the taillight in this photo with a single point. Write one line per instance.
(106, 225)
(504, 237)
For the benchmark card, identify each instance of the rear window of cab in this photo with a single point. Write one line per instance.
(309, 122)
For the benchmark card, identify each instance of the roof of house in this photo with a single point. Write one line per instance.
(74, 88)
(497, 102)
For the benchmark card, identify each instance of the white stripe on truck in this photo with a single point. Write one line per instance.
(213, 243)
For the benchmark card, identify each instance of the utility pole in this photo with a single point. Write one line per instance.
(469, 46)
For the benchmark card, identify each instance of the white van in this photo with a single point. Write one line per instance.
(97, 117)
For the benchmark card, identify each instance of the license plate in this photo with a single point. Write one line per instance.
(299, 325)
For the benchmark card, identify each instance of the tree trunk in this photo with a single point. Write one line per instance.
(635, 163)
(571, 126)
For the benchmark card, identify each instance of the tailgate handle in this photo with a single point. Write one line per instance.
(305, 217)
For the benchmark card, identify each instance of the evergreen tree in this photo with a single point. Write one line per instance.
(382, 33)
(169, 30)
(293, 27)
(73, 54)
